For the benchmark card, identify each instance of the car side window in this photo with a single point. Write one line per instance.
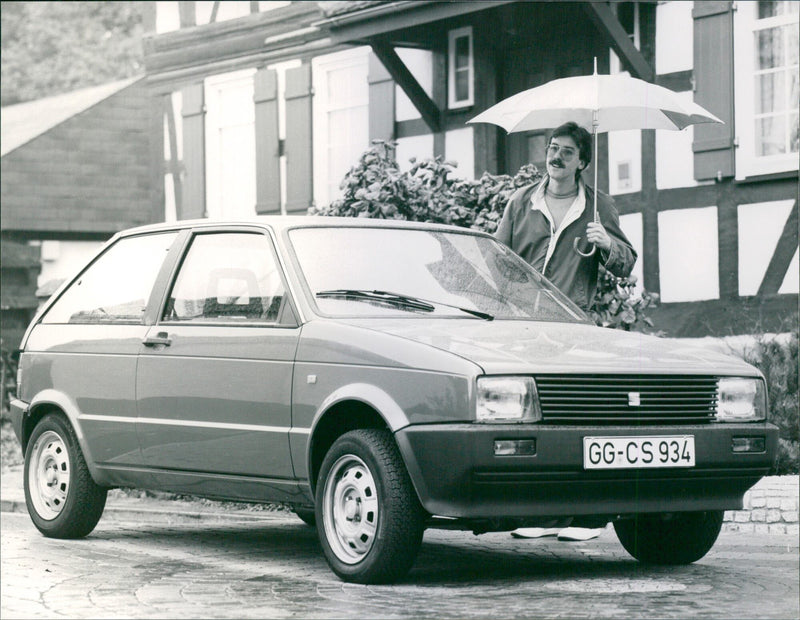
(115, 288)
(227, 277)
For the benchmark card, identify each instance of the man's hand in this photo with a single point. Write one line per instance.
(596, 234)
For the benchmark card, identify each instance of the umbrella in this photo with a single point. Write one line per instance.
(600, 102)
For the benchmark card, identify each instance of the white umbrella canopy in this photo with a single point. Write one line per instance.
(599, 103)
(619, 102)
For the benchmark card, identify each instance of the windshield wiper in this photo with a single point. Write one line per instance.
(414, 303)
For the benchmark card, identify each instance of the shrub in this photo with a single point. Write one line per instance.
(615, 305)
(777, 359)
(428, 192)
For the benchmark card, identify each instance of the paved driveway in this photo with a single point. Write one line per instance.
(272, 567)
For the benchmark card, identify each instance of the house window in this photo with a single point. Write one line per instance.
(767, 95)
(230, 145)
(628, 17)
(461, 71)
(776, 85)
(624, 174)
(341, 118)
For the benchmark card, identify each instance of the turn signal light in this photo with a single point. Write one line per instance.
(749, 444)
(514, 447)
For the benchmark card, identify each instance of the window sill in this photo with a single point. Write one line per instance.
(775, 176)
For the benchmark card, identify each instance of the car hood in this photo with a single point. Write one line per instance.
(502, 347)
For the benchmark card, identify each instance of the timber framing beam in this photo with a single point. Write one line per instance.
(400, 74)
(615, 36)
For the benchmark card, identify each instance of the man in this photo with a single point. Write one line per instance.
(541, 223)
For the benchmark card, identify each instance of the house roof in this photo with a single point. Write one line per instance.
(330, 9)
(22, 122)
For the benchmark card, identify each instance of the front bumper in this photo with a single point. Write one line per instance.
(456, 473)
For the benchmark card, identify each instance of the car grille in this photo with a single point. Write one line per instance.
(611, 399)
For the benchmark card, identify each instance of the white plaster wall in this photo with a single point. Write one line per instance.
(167, 17)
(760, 228)
(674, 156)
(674, 37)
(791, 283)
(62, 259)
(688, 254)
(420, 64)
(633, 228)
(420, 147)
(459, 147)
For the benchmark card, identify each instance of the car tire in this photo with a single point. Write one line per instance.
(63, 500)
(677, 538)
(369, 519)
(306, 515)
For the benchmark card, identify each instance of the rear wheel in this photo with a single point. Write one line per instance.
(369, 519)
(675, 538)
(63, 500)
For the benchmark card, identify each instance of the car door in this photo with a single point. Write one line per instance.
(215, 373)
(87, 342)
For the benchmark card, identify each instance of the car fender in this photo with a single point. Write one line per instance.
(366, 393)
(53, 398)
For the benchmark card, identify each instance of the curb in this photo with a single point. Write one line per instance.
(162, 514)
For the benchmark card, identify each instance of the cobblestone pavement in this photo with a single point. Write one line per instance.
(272, 567)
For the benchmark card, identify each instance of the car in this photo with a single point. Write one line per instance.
(379, 377)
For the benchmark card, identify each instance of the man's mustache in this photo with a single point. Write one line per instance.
(557, 162)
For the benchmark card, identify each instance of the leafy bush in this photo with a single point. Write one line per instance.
(428, 192)
(777, 358)
(615, 305)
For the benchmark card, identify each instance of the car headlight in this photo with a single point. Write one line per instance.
(741, 399)
(507, 399)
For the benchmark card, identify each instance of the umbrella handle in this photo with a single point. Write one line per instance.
(576, 245)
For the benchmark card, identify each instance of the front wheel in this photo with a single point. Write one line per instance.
(63, 500)
(369, 519)
(675, 538)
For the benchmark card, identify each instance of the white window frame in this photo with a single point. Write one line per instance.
(745, 25)
(452, 37)
(356, 59)
(214, 197)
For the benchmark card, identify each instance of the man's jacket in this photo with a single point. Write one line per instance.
(527, 231)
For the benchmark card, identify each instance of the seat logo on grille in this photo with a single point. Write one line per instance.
(634, 399)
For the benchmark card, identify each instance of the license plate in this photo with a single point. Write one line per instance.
(638, 452)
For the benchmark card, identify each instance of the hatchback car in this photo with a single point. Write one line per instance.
(380, 378)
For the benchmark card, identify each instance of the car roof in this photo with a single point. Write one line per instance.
(283, 222)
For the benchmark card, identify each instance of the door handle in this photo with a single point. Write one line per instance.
(159, 338)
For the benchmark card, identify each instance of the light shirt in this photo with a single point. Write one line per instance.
(573, 213)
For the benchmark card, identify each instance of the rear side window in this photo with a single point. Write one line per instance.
(114, 288)
(227, 277)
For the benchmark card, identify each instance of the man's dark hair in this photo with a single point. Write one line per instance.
(581, 137)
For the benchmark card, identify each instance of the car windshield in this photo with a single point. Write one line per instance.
(363, 271)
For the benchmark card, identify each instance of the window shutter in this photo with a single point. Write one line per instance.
(381, 101)
(298, 139)
(268, 175)
(713, 73)
(194, 137)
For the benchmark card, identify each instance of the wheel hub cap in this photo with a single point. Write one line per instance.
(49, 475)
(350, 512)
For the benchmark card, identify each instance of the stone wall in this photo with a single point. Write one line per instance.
(770, 507)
